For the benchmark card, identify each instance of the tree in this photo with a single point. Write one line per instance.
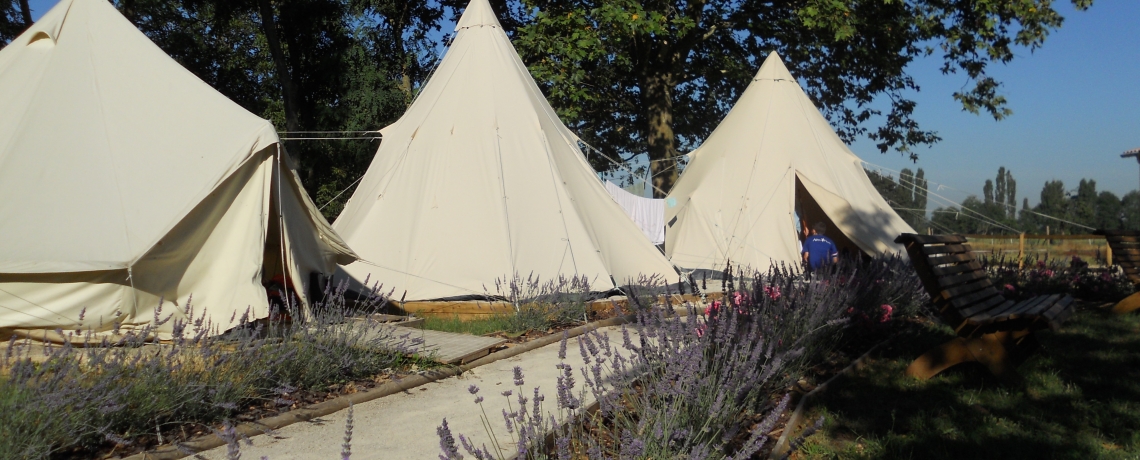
(1108, 211)
(1130, 210)
(15, 16)
(1027, 219)
(328, 51)
(920, 191)
(907, 197)
(1054, 204)
(656, 76)
(1011, 195)
(400, 30)
(963, 219)
(996, 195)
(1084, 204)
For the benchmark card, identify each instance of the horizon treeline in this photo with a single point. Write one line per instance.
(1059, 210)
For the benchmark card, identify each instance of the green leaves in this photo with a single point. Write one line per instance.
(592, 57)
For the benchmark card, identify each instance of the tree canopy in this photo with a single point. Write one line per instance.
(650, 77)
(656, 76)
(15, 16)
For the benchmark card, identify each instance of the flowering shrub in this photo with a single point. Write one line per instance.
(1039, 277)
(123, 388)
(698, 386)
(543, 304)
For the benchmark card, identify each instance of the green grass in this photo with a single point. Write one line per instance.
(480, 326)
(1080, 398)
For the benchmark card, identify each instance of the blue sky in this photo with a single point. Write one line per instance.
(1076, 104)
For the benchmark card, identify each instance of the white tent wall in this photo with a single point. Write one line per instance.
(216, 260)
(311, 246)
(480, 181)
(213, 256)
(124, 179)
(735, 201)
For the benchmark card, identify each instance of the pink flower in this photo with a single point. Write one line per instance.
(772, 292)
(712, 308)
(737, 298)
(887, 309)
(1009, 287)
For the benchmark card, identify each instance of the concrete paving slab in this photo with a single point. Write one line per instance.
(403, 425)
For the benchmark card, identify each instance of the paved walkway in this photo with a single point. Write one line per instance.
(445, 347)
(402, 426)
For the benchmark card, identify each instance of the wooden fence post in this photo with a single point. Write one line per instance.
(1107, 255)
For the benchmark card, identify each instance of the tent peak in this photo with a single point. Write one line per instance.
(477, 14)
(773, 69)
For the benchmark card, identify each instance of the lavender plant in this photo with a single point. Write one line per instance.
(126, 388)
(543, 304)
(696, 386)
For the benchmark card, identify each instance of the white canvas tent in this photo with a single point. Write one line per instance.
(124, 179)
(774, 150)
(480, 181)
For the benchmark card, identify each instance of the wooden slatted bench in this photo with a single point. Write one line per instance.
(1125, 246)
(992, 330)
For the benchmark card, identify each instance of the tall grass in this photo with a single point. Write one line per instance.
(127, 388)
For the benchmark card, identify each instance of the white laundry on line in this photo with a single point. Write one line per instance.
(647, 213)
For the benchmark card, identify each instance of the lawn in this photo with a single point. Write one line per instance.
(481, 326)
(1079, 398)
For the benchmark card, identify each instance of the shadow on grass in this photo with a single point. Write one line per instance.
(1080, 398)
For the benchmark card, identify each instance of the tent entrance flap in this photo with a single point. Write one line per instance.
(819, 205)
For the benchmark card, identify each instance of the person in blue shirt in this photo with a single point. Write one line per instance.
(818, 249)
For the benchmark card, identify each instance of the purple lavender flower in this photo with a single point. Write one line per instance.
(346, 448)
(447, 443)
(562, 345)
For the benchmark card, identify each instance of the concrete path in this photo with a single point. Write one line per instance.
(445, 347)
(403, 425)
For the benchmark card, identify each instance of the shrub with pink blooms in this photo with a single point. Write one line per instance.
(1074, 277)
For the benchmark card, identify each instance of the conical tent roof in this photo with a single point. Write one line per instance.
(736, 199)
(124, 179)
(480, 181)
(94, 114)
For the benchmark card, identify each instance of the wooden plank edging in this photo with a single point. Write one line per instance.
(304, 414)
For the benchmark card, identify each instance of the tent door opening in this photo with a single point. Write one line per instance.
(811, 212)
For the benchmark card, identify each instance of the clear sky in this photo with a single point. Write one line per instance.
(1076, 104)
(1076, 108)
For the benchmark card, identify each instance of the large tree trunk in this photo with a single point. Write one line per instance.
(284, 77)
(402, 54)
(26, 12)
(657, 102)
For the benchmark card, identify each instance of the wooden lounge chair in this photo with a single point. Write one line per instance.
(1125, 245)
(993, 331)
